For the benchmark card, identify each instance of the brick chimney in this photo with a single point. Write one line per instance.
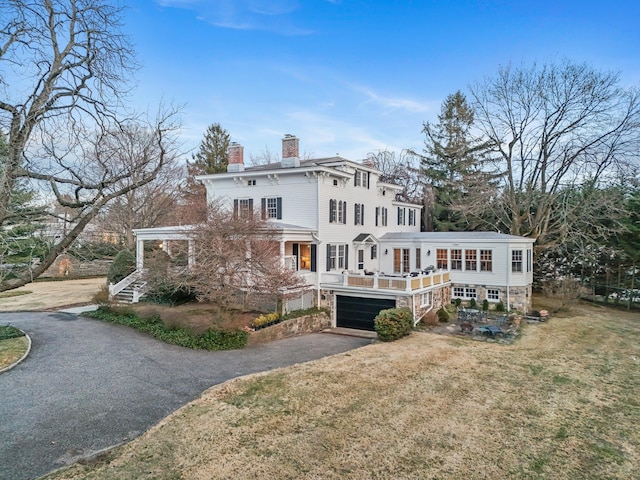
(235, 158)
(290, 151)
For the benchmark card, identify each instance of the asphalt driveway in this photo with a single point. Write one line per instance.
(88, 385)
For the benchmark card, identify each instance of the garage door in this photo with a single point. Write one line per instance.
(359, 312)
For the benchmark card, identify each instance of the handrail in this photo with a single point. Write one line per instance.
(114, 289)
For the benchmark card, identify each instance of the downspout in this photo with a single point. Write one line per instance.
(317, 240)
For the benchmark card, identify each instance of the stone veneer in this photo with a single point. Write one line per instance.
(291, 328)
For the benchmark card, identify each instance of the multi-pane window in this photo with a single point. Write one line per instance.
(402, 216)
(272, 208)
(493, 294)
(442, 259)
(456, 259)
(401, 260)
(418, 262)
(529, 260)
(412, 216)
(358, 213)
(464, 292)
(243, 207)
(486, 261)
(360, 259)
(516, 261)
(426, 299)
(337, 258)
(470, 260)
(374, 252)
(383, 215)
(361, 179)
(342, 212)
(337, 211)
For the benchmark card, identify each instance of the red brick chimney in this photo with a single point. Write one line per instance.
(235, 157)
(290, 151)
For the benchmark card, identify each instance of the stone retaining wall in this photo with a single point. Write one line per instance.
(291, 328)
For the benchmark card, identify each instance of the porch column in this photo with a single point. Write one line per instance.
(139, 254)
(191, 254)
(282, 254)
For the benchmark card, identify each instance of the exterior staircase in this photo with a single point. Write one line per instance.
(129, 290)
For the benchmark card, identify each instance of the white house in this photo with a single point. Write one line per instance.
(359, 247)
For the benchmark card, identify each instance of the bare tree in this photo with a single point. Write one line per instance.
(237, 257)
(63, 71)
(151, 205)
(554, 128)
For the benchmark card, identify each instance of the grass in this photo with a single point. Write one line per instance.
(14, 293)
(11, 350)
(560, 403)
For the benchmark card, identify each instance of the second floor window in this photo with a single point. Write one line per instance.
(272, 208)
(442, 258)
(337, 211)
(516, 261)
(242, 207)
(358, 213)
(412, 216)
(361, 179)
(486, 261)
(456, 259)
(402, 216)
(381, 216)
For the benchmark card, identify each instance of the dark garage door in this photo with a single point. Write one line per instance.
(359, 312)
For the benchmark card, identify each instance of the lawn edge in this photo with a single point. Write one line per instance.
(17, 362)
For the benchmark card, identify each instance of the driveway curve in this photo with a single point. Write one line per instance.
(89, 385)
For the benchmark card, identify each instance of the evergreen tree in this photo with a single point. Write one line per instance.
(211, 158)
(453, 165)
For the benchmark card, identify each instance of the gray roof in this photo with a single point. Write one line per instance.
(313, 162)
(453, 236)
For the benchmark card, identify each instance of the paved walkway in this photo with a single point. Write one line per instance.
(88, 385)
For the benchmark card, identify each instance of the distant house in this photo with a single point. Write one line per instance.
(359, 248)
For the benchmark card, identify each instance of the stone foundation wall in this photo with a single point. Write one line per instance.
(291, 328)
(520, 297)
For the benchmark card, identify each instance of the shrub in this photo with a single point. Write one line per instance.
(473, 303)
(451, 309)
(443, 315)
(9, 331)
(266, 319)
(430, 319)
(123, 265)
(457, 302)
(101, 297)
(393, 323)
(499, 307)
(153, 325)
(485, 305)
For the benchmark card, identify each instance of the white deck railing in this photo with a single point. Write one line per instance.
(406, 283)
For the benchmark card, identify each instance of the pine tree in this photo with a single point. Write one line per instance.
(211, 158)
(453, 165)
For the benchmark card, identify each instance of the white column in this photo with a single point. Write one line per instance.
(139, 254)
(282, 253)
(191, 253)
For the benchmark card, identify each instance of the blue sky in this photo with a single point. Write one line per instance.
(354, 76)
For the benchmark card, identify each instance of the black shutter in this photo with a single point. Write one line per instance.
(362, 214)
(279, 208)
(368, 179)
(332, 213)
(235, 208)
(377, 213)
(355, 213)
(264, 209)
(346, 257)
(295, 252)
(328, 257)
(344, 209)
(314, 250)
(251, 207)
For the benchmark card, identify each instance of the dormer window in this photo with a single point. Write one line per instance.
(335, 182)
(251, 183)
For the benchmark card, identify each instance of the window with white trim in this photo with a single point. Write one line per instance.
(418, 259)
(384, 214)
(529, 260)
(516, 261)
(464, 292)
(486, 261)
(374, 252)
(471, 260)
(272, 208)
(243, 207)
(456, 259)
(361, 179)
(401, 260)
(337, 211)
(337, 256)
(493, 294)
(442, 260)
(426, 299)
(402, 216)
(361, 259)
(358, 213)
